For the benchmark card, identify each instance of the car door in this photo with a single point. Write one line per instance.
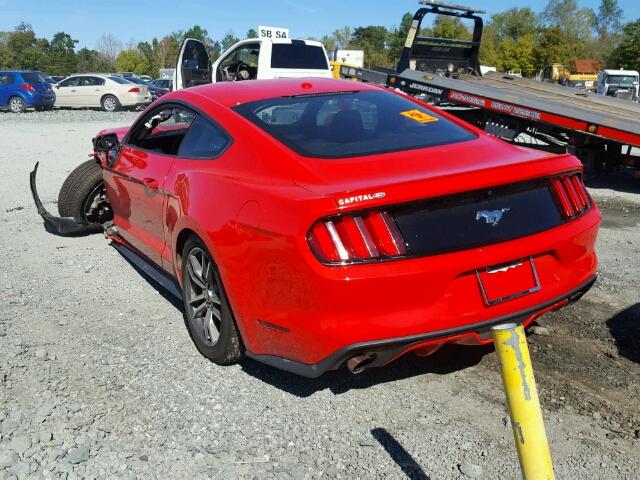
(89, 91)
(4, 89)
(135, 178)
(67, 91)
(194, 65)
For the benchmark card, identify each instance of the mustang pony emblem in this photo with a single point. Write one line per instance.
(492, 217)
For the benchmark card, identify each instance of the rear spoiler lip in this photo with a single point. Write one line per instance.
(62, 226)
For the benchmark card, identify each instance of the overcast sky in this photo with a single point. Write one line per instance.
(142, 20)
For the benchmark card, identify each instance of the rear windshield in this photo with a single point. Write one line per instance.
(119, 80)
(298, 55)
(34, 77)
(348, 124)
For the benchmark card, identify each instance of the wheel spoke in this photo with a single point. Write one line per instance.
(192, 275)
(197, 298)
(202, 308)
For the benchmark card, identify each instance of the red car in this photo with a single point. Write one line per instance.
(311, 223)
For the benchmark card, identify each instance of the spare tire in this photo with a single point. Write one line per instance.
(83, 195)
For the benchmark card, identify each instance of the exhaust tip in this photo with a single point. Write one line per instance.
(360, 363)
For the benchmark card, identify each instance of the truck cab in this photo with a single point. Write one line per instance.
(253, 59)
(621, 84)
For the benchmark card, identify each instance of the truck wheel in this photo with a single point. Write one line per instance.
(207, 313)
(110, 103)
(17, 105)
(83, 195)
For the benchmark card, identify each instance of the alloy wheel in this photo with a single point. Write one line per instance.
(16, 105)
(203, 297)
(110, 104)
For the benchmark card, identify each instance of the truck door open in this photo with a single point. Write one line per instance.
(194, 65)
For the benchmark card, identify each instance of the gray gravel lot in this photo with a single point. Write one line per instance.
(99, 379)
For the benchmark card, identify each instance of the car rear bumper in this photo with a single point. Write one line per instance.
(40, 99)
(312, 314)
(134, 100)
(381, 352)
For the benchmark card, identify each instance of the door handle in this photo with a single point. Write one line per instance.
(151, 183)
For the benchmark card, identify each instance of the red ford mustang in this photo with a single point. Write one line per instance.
(314, 223)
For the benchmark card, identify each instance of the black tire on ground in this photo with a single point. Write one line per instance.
(79, 190)
(110, 103)
(17, 105)
(227, 349)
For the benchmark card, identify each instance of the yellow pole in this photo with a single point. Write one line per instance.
(522, 398)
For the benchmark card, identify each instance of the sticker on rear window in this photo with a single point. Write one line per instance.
(419, 116)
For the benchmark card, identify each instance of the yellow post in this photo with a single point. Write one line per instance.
(522, 398)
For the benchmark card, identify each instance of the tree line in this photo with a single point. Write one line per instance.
(516, 39)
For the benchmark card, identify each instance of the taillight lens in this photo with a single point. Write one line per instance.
(27, 87)
(134, 90)
(357, 238)
(571, 194)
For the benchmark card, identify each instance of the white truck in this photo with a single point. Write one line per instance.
(253, 59)
(621, 84)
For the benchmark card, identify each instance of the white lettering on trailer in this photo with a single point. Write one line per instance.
(426, 88)
(463, 97)
(360, 198)
(519, 111)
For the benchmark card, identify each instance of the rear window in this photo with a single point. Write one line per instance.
(298, 55)
(34, 77)
(348, 124)
(119, 80)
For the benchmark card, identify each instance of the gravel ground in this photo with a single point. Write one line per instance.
(99, 379)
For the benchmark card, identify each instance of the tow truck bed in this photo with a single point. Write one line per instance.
(536, 101)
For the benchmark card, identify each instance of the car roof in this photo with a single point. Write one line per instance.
(235, 93)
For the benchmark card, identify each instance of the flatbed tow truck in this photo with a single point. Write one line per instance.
(601, 131)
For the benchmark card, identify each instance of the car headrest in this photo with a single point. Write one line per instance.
(346, 125)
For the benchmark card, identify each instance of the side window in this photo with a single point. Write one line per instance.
(203, 140)
(162, 130)
(70, 82)
(195, 56)
(241, 64)
(92, 81)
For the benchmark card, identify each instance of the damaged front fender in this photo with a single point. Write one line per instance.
(63, 226)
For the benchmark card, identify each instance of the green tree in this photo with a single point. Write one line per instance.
(608, 18)
(251, 33)
(627, 53)
(372, 40)
(398, 37)
(61, 55)
(228, 40)
(132, 61)
(445, 26)
(577, 23)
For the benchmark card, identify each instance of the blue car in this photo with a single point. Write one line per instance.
(20, 90)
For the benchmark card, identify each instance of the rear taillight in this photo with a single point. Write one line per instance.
(27, 87)
(357, 238)
(571, 194)
(134, 90)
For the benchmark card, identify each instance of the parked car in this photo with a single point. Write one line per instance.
(164, 83)
(110, 92)
(156, 92)
(20, 90)
(58, 78)
(312, 223)
(623, 84)
(146, 78)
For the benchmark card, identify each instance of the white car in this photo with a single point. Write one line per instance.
(109, 92)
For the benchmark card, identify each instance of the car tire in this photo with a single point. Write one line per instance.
(17, 105)
(110, 103)
(207, 312)
(83, 195)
